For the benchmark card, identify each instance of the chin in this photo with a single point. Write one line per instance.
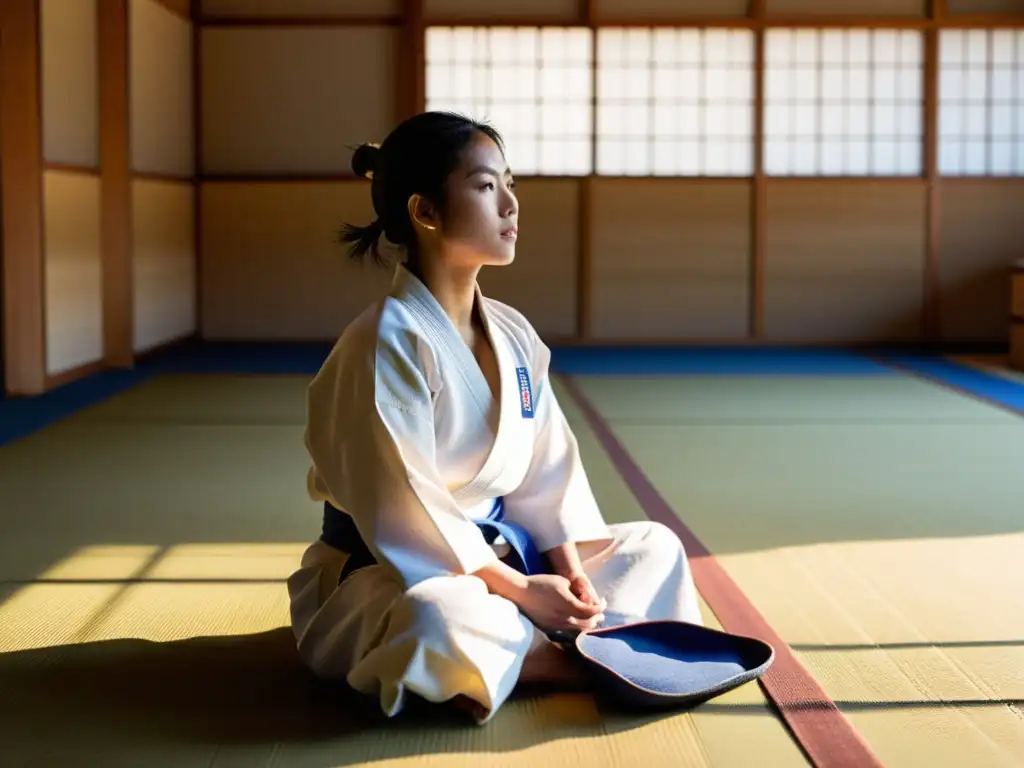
(502, 257)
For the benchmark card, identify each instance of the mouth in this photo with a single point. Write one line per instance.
(510, 234)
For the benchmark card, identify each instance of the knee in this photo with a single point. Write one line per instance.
(452, 601)
(659, 542)
(429, 604)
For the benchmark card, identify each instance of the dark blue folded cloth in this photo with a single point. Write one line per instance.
(669, 663)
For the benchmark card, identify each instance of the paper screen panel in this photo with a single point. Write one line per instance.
(164, 264)
(981, 102)
(70, 81)
(980, 238)
(670, 259)
(844, 102)
(675, 102)
(843, 260)
(288, 100)
(73, 270)
(272, 266)
(161, 90)
(532, 84)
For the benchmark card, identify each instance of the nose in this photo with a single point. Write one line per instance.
(510, 205)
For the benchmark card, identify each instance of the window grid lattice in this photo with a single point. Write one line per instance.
(680, 101)
(843, 102)
(981, 103)
(533, 85)
(675, 102)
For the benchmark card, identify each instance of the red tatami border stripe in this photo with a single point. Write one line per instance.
(827, 737)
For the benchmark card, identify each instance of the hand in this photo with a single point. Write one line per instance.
(550, 602)
(582, 587)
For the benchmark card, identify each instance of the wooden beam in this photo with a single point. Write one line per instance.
(587, 15)
(757, 18)
(168, 176)
(302, 21)
(596, 20)
(21, 158)
(282, 177)
(983, 21)
(53, 381)
(826, 21)
(115, 185)
(82, 170)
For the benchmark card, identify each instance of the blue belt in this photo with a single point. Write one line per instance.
(340, 532)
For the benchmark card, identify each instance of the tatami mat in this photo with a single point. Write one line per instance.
(875, 524)
(144, 609)
(873, 518)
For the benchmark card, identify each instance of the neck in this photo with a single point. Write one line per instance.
(454, 290)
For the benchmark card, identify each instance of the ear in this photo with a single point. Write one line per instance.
(422, 213)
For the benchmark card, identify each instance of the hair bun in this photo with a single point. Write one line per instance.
(364, 160)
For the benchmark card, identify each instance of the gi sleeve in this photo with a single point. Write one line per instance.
(370, 434)
(554, 502)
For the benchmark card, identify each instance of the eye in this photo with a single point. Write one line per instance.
(511, 185)
(488, 186)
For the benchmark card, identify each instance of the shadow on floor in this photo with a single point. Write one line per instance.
(232, 688)
(111, 701)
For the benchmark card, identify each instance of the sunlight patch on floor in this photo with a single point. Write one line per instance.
(105, 562)
(105, 592)
(229, 561)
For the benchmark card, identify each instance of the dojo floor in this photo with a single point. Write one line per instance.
(872, 513)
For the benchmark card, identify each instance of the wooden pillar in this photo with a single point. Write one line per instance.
(1017, 315)
(585, 194)
(931, 310)
(411, 71)
(21, 158)
(196, 16)
(759, 192)
(115, 184)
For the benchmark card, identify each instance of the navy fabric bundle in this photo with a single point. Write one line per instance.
(655, 664)
(646, 664)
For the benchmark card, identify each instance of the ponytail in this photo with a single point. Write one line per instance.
(363, 240)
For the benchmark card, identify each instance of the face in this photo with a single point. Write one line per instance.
(480, 225)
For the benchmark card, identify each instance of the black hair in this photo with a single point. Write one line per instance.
(415, 159)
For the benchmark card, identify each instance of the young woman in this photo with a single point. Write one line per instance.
(435, 412)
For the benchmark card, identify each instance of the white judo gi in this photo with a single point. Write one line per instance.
(405, 437)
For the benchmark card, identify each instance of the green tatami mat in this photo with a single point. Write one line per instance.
(183, 400)
(143, 618)
(752, 401)
(876, 525)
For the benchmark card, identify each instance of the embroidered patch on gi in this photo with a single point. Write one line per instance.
(525, 393)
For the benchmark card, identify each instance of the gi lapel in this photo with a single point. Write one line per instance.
(513, 422)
